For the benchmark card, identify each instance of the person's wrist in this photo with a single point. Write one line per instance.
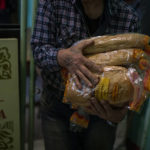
(60, 57)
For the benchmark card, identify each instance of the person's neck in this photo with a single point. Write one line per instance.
(93, 8)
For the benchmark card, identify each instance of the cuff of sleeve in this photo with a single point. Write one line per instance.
(52, 62)
(55, 61)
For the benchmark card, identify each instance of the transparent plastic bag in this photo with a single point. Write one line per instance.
(125, 79)
(117, 85)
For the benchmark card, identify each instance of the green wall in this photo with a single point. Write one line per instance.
(139, 129)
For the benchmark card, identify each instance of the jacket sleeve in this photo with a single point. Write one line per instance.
(43, 40)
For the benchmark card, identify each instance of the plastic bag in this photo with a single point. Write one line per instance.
(126, 78)
(117, 85)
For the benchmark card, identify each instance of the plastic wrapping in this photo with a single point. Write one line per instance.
(117, 85)
(125, 78)
(119, 41)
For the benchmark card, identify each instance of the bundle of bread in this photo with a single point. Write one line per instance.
(126, 71)
(114, 86)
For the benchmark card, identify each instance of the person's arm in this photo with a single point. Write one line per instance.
(48, 57)
(79, 66)
(104, 110)
(43, 40)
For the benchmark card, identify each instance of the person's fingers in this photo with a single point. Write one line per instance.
(98, 107)
(115, 115)
(84, 44)
(92, 66)
(106, 106)
(90, 110)
(91, 77)
(82, 77)
(124, 110)
(92, 106)
(109, 109)
(76, 80)
(121, 114)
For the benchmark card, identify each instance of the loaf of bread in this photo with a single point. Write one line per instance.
(118, 58)
(116, 42)
(114, 86)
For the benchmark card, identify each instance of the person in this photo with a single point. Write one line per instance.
(60, 24)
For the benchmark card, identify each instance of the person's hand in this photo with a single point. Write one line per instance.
(105, 111)
(79, 66)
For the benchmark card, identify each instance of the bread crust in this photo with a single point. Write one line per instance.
(117, 42)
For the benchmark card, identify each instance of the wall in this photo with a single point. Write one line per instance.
(139, 132)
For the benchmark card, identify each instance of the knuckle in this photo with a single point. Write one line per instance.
(76, 63)
(77, 60)
(89, 64)
(78, 57)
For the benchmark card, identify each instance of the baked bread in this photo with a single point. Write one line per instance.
(114, 86)
(116, 42)
(118, 58)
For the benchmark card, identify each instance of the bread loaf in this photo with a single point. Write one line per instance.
(119, 57)
(114, 86)
(119, 41)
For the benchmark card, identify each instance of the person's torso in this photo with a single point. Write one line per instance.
(72, 26)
